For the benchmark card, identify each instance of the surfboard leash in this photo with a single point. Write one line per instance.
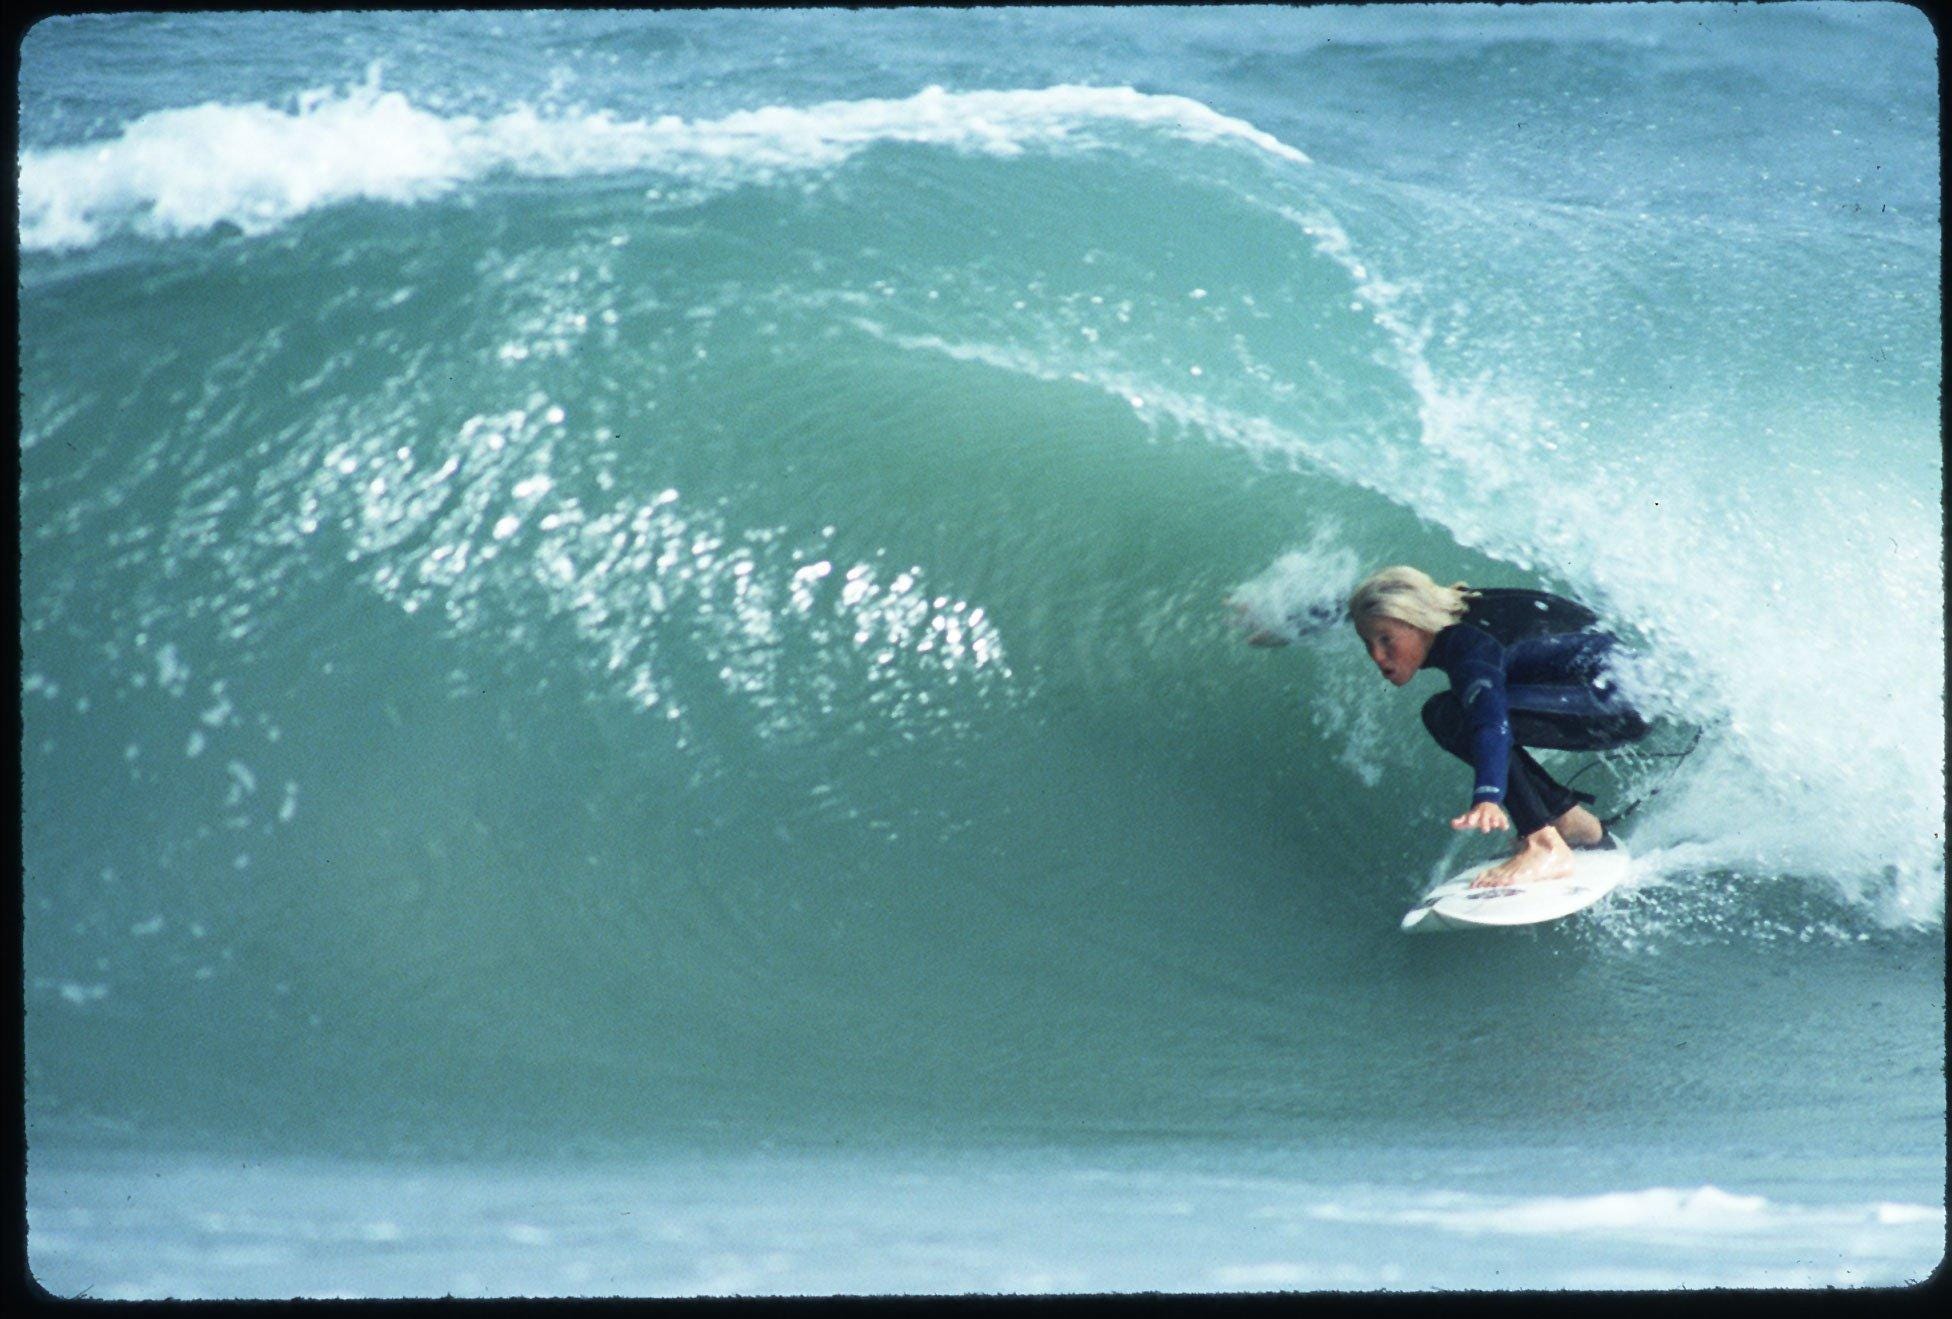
(1676, 756)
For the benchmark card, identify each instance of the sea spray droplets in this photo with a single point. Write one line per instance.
(172, 674)
(1305, 591)
(645, 585)
(243, 782)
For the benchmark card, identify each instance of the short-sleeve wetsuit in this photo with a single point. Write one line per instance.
(1526, 669)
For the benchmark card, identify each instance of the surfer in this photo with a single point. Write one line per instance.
(1526, 669)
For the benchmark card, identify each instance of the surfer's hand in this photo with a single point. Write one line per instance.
(1256, 635)
(1486, 817)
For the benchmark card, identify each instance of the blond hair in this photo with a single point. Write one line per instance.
(1409, 596)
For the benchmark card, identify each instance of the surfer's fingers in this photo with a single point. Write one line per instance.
(1485, 817)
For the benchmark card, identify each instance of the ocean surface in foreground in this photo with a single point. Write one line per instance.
(1013, 1222)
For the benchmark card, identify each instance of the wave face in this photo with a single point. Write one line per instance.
(609, 574)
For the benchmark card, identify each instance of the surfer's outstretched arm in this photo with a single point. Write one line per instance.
(1475, 664)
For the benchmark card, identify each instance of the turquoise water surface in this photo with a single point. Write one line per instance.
(625, 684)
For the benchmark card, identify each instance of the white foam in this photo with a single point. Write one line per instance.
(183, 171)
(1305, 591)
(1652, 1212)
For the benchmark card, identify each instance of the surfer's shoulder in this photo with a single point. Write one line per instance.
(1460, 641)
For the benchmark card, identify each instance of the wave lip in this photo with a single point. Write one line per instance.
(184, 171)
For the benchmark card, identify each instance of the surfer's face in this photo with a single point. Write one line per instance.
(1397, 648)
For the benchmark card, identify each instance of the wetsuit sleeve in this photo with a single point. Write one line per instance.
(1475, 663)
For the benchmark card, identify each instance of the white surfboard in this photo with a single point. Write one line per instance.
(1455, 905)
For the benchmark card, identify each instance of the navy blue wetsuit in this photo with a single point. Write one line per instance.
(1526, 669)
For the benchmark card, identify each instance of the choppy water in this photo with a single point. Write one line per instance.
(605, 583)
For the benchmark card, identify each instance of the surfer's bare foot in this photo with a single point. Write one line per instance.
(1543, 856)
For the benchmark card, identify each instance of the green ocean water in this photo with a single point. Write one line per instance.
(601, 588)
